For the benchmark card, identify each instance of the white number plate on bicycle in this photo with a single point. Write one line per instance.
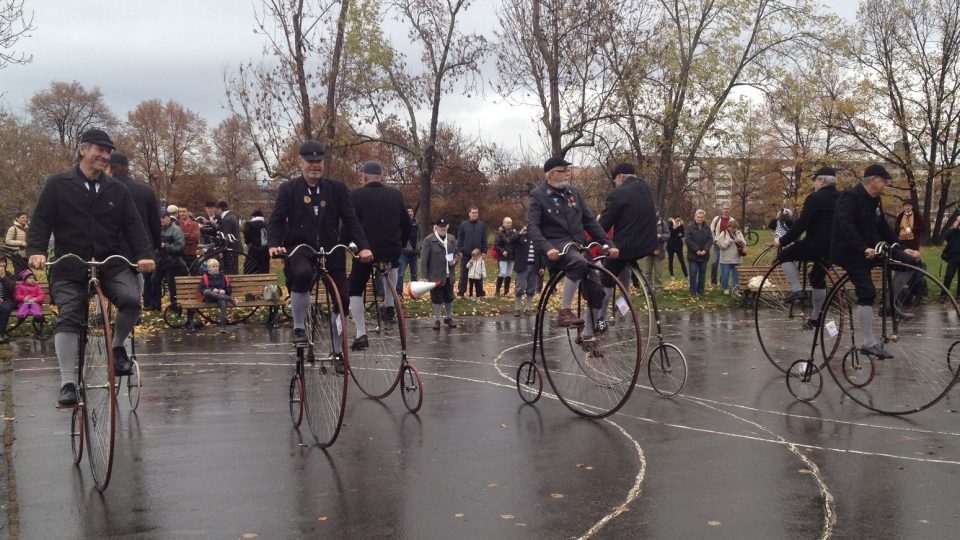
(831, 327)
(623, 306)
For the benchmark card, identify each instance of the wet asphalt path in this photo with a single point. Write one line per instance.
(211, 452)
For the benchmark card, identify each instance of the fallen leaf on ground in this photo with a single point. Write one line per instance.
(322, 518)
(557, 495)
(458, 515)
(491, 485)
(503, 425)
(713, 523)
(506, 516)
(248, 535)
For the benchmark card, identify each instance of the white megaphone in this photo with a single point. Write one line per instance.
(416, 289)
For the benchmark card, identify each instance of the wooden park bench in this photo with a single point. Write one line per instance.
(41, 329)
(247, 290)
(750, 277)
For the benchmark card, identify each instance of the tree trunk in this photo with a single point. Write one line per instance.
(331, 128)
(299, 60)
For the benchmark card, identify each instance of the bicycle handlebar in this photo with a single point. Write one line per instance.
(882, 248)
(351, 248)
(92, 262)
(580, 248)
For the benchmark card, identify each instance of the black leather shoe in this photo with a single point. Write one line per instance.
(876, 351)
(811, 324)
(122, 366)
(389, 313)
(600, 328)
(299, 337)
(338, 364)
(68, 396)
(795, 296)
(360, 343)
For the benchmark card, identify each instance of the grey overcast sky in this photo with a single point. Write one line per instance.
(136, 50)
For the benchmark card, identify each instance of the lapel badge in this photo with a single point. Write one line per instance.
(323, 204)
(307, 199)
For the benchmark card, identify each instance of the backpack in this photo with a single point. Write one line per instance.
(206, 283)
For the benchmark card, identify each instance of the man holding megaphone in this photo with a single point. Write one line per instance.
(438, 259)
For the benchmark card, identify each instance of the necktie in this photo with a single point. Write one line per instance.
(92, 186)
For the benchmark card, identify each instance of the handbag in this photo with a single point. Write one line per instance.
(742, 251)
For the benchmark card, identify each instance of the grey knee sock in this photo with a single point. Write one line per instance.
(356, 311)
(67, 345)
(298, 303)
(123, 326)
(437, 311)
(336, 325)
(897, 284)
(569, 291)
(865, 320)
(449, 308)
(391, 282)
(516, 302)
(593, 315)
(607, 295)
(793, 274)
(819, 295)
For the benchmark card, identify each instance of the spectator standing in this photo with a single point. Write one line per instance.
(471, 235)
(255, 236)
(8, 287)
(717, 226)
(230, 227)
(699, 240)
(169, 263)
(410, 253)
(650, 265)
(209, 222)
(732, 246)
(191, 236)
(17, 234)
(438, 261)
(529, 266)
(910, 227)
(951, 254)
(782, 223)
(675, 245)
(506, 244)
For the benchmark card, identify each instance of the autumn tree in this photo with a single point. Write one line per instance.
(15, 24)
(166, 141)
(27, 158)
(450, 60)
(905, 111)
(550, 55)
(65, 110)
(234, 161)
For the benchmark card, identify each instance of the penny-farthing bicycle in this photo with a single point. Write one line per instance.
(592, 372)
(382, 366)
(134, 382)
(94, 418)
(318, 388)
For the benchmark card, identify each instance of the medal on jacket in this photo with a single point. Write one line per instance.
(307, 199)
(323, 204)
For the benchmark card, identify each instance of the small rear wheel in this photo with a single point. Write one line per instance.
(953, 357)
(667, 369)
(856, 371)
(76, 434)
(175, 316)
(804, 380)
(529, 382)
(411, 388)
(134, 384)
(752, 238)
(295, 396)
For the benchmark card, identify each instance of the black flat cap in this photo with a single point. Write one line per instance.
(623, 168)
(98, 137)
(441, 223)
(825, 171)
(116, 158)
(311, 151)
(555, 162)
(877, 170)
(372, 167)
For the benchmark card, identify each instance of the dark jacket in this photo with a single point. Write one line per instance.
(951, 248)
(523, 254)
(293, 221)
(215, 281)
(858, 224)
(675, 243)
(556, 217)
(383, 215)
(816, 219)
(172, 244)
(472, 235)
(230, 224)
(147, 207)
(698, 237)
(86, 224)
(8, 286)
(629, 210)
(433, 260)
(506, 243)
(412, 247)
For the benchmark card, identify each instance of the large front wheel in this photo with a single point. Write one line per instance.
(376, 368)
(97, 392)
(592, 369)
(325, 365)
